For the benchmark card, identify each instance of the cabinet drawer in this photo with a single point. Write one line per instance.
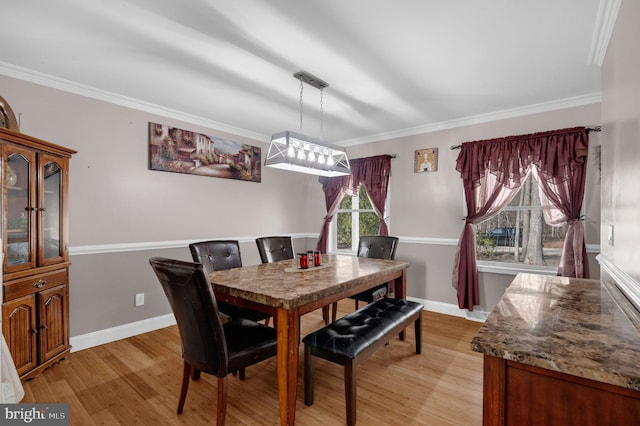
(34, 283)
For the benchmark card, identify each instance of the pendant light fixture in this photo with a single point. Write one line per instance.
(294, 151)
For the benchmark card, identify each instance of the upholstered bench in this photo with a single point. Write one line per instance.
(355, 336)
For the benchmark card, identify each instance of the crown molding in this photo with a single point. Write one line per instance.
(114, 98)
(605, 22)
(576, 101)
(102, 95)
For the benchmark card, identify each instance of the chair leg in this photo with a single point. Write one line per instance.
(309, 376)
(186, 376)
(195, 374)
(418, 333)
(222, 401)
(350, 390)
(266, 321)
(241, 374)
(335, 311)
(325, 314)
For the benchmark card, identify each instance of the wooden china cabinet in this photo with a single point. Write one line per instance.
(35, 234)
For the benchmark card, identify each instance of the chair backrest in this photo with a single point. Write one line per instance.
(194, 305)
(377, 247)
(217, 255)
(273, 249)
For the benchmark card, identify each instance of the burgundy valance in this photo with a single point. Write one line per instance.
(555, 153)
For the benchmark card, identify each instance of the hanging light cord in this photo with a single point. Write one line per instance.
(301, 104)
(321, 115)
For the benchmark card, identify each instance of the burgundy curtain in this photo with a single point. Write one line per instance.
(373, 173)
(493, 170)
(562, 172)
(334, 190)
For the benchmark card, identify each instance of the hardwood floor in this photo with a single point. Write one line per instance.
(137, 380)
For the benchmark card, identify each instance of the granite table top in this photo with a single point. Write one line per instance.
(282, 285)
(574, 326)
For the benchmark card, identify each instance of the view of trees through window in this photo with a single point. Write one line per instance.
(355, 217)
(519, 234)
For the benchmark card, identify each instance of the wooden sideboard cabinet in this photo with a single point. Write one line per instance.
(560, 351)
(35, 234)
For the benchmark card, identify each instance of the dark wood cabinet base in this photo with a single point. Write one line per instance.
(519, 394)
(39, 369)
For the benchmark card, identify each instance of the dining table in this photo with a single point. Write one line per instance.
(286, 291)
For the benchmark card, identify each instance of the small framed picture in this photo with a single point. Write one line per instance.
(426, 160)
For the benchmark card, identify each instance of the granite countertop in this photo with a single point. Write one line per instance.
(574, 326)
(282, 285)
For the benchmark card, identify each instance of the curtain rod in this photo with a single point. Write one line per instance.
(388, 155)
(588, 129)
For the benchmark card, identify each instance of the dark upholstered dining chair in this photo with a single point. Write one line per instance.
(208, 344)
(375, 247)
(218, 255)
(274, 249)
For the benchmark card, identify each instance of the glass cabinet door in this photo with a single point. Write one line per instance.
(49, 209)
(20, 209)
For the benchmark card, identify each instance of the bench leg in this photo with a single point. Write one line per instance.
(309, 375)
(350, 390)
(418, 333)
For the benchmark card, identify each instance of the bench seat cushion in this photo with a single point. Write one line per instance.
(355, 332)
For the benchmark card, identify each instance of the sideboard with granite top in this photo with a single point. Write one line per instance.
(561, 351)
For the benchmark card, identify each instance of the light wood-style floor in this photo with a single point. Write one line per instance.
(136, 381)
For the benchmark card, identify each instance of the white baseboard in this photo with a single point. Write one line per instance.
(449, 309)
(97, 338)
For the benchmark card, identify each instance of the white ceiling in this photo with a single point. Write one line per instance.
(394, 67)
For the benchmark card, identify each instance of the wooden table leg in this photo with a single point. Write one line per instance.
(400, 291)
(288, 322)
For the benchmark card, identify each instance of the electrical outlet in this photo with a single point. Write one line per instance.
(610, 235)
(139, 299)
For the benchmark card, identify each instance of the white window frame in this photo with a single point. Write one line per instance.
(355, 225)
(513, 268)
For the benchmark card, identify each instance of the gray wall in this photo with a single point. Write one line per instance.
(121, 213)
(621, 143)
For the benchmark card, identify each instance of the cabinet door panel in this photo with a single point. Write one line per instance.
(53, 307)
(20, 202)
(51, 202)
(19, 330)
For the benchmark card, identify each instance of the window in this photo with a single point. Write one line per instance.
(519, 234)
(355, 217)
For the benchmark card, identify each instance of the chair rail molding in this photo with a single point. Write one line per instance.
(627, 284)
(160, 245)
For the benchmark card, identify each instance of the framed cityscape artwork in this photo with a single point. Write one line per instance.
(181, 151)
